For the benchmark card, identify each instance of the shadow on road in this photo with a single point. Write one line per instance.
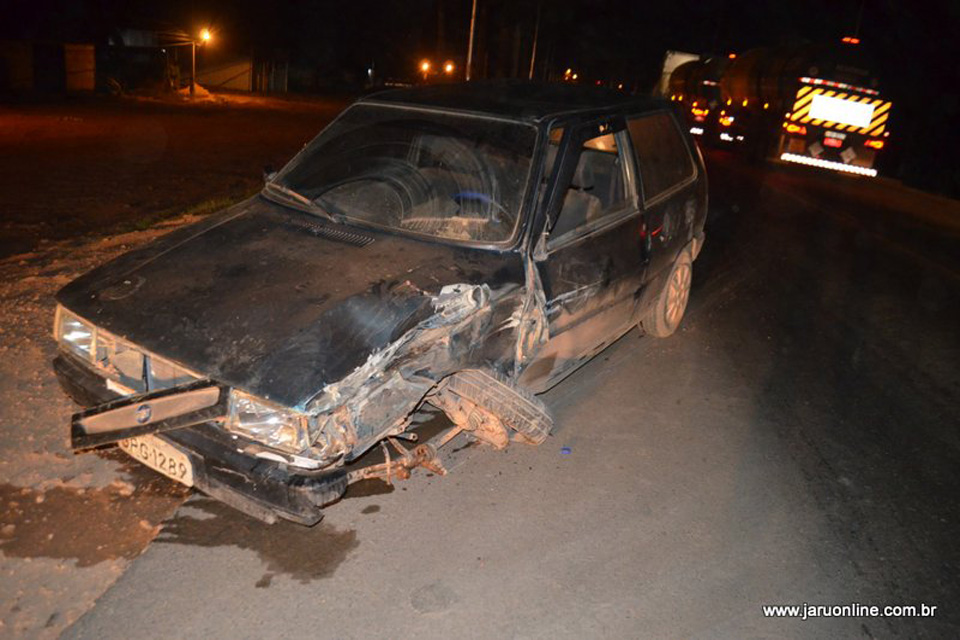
(302, 553)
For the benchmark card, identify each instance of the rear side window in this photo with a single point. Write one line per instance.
(661, 153)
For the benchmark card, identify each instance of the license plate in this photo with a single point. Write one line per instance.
(160, 456)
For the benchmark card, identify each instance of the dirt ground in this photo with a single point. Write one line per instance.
(79, 184)
(94, 166)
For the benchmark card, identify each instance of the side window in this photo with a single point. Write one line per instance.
(596, 189)
(662, 155)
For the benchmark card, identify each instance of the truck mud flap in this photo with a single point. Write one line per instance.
(156, 412)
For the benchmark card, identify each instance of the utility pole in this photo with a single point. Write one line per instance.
(193, 68)
(473, 24)
(536, 35)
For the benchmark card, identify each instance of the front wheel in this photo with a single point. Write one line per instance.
(665, 315)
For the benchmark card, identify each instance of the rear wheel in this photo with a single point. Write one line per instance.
(665, 315)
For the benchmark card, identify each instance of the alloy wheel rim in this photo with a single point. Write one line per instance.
(677, 293)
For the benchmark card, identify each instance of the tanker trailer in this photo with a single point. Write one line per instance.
(816, 105)
(696, 86)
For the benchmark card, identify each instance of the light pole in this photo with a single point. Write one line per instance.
(193, 68)
(473, 23)
(204, 37)
(536, 35)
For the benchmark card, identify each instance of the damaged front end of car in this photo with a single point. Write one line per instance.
(270, 460)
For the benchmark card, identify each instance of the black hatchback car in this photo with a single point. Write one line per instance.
(465, 246)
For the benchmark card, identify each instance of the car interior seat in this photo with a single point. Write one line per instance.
(582, 202)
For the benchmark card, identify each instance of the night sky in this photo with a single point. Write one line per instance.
(913, 43)
(600, 37)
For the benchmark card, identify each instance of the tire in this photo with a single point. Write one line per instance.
(516, 407)
(666, 313)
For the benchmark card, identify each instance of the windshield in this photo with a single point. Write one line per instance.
(449, 176)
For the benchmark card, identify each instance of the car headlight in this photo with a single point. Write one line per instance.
(267, 423)
(75, 334)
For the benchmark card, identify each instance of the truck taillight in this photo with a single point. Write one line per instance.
(798, 129)
(726, 121)
(874, 144)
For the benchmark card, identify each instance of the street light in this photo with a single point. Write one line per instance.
(425, 69)
(448, 68)
(204, 37)
(181, 38)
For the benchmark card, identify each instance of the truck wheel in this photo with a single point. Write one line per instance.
(665, 315)
(496, 396)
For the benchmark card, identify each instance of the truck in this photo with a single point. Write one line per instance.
(696, 86)
(811, 104)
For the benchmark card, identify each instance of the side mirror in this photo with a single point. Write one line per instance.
(269, 173)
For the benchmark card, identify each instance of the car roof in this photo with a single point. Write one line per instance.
(517, 100)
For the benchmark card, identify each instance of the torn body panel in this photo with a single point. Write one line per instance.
(376, 399)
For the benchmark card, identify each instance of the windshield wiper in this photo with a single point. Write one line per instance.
(299, 197)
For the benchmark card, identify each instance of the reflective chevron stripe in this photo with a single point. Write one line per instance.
(804, 100)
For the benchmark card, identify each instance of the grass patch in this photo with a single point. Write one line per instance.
(201, 208)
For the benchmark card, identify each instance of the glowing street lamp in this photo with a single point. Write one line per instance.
(425, 69)
(205, 37)
(183, 39)
(448, 68)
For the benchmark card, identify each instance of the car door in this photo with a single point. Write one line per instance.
(668, 192)
(591, 258)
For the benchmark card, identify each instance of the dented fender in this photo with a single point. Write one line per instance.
(472, 326)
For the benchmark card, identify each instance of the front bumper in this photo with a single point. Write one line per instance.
(260, 488)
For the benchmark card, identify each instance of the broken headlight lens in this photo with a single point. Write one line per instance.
(267, 423)
(119, 361)
(75, 334)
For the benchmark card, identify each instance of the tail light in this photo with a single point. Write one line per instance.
(798, 129)
(726, 121)
(874, 144)
(833, 142)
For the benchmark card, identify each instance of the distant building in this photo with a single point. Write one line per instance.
(36, 66)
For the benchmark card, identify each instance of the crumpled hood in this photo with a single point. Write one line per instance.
(275, 301)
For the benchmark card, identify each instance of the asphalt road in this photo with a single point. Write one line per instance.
(796, 442)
